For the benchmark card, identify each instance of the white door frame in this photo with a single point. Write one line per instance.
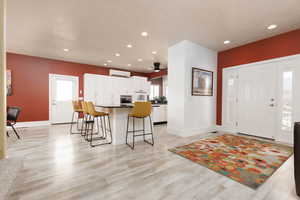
(51, 78)
(297, 56)
(276, 60)
(225, 126)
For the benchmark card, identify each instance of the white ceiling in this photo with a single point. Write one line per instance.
(94, 30)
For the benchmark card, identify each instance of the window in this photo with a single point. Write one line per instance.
(64, 90)
(287, 97)
(154, 91)
(166, 92)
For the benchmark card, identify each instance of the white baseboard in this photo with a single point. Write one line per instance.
(32, 124)
(226, 129)
(219, 128)
(191, 132)
(174, 131)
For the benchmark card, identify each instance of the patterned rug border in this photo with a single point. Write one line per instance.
(244, 136)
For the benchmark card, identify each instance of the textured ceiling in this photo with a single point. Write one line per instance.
(94, 30)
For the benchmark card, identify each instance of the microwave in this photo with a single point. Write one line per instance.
(141, 97)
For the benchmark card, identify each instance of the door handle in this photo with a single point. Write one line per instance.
(54, 103)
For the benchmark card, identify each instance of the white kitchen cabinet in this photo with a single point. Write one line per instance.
(117, 89)
(123, 86)
(126, 86)
(164, 113)
(99, 91)
(106, 90)
(147, 86)
(89, 87)
(160, 113)
(139, 83)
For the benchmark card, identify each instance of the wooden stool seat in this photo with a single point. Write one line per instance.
(77, 109)
(140, 110)
(96, 115)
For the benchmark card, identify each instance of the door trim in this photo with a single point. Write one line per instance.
(226, 126)
(285, 58)
(51, 78)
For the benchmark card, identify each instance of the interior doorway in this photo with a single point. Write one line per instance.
(62, 90)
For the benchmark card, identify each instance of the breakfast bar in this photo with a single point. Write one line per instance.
(119, 116)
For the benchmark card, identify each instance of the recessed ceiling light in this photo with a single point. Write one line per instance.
(140, 60)
(272, 26)
(109, 61)
(226, 42)
(129, 45)
(144, 34)
(105, 64)
(66, 50)
(117, 54)
(129, 65)
(154, 52)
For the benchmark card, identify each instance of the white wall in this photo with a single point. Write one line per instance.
(2, 82)
(165, 85)
(176, 87)
(189, 115)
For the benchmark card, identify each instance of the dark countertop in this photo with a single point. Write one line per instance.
(127, 105)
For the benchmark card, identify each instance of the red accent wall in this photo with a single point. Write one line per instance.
(30, 82)
(285, 44)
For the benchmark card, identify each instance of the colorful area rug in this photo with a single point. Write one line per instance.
(245, 160)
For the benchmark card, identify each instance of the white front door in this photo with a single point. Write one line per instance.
(63, 89)
(230, 97)
(257, 100)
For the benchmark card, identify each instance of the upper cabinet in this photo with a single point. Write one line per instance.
(106, 90)
(89, 87)
(126, 86)
(141, 84)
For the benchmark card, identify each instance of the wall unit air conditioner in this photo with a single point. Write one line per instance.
(118, 73)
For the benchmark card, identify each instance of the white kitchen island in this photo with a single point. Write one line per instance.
(118, 119)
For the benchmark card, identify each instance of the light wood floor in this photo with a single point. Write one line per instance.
(60, 166)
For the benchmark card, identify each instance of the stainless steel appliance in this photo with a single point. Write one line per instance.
(125, 99)
(141, 96)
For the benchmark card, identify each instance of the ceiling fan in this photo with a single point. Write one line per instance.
(156, 66)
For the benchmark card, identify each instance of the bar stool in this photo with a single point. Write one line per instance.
(141, 110)
(95, 115)
(86, 119)
(77, 109)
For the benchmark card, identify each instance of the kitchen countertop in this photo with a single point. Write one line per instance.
(127, 105)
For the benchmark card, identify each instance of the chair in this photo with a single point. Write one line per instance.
(12, 117)
(77, 109)
(86, 119)
(95, 115)
(141, 110)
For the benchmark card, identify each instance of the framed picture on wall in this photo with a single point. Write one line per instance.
(202, 82)
(8, 83)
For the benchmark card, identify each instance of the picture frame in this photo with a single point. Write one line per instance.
(202, 82)
(8, 83)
